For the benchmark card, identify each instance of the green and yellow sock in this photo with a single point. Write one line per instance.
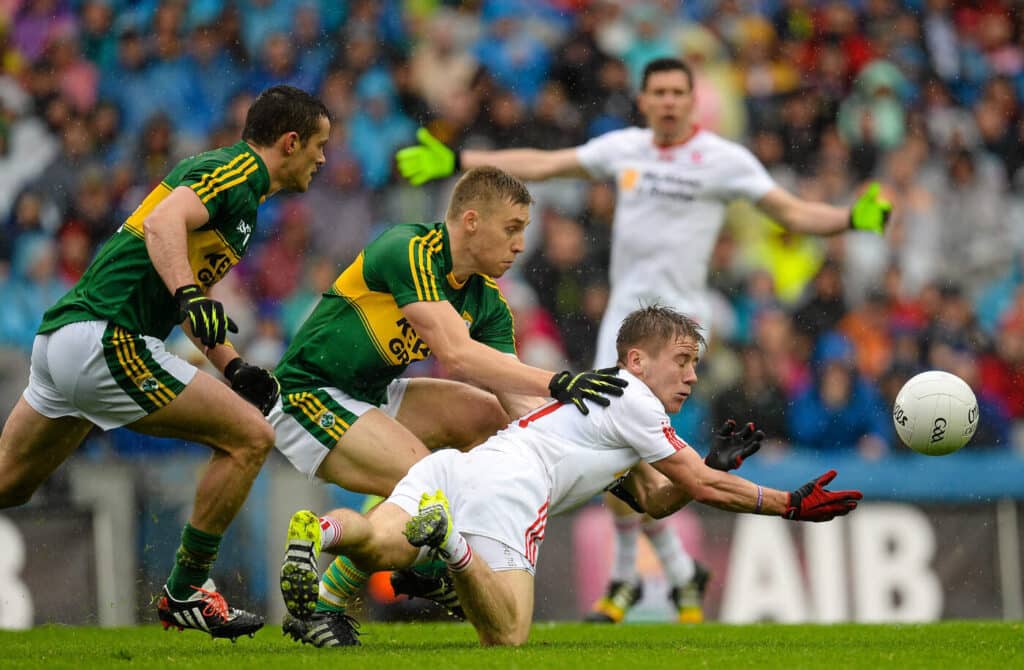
(340, 581)
(193, 561)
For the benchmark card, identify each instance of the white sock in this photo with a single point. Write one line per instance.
(330, 532)
(456, 552)
(627, 532)
(677, 564)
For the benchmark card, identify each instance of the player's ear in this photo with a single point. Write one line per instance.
(471, 220)
(635, 359)
(291, 143)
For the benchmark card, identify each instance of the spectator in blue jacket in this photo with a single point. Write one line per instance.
(840, 410)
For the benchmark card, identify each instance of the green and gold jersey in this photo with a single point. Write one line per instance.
(357, 338)
(121, 284)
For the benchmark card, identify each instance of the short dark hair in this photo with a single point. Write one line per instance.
(654, 326)
(666, 65)
(483, 185)
(283, 109)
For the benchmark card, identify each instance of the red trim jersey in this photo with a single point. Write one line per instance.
(550, 462)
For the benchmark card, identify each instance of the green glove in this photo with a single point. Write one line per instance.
(871, 211)
(430, 160)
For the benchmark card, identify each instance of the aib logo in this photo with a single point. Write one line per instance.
(938, 429)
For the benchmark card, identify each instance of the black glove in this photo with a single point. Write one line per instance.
(813, 502)
(253, 383)
(618, 490)
(593, 386)
(729, 449)
(209, 323)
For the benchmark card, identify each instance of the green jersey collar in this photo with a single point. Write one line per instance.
(263, 174)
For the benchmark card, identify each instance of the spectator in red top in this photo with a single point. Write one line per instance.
(1002, 371)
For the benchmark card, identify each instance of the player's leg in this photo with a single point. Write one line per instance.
(327, 434)
(624, 585)
(372, 456)
(374, 541)
(498, 604)
(31, 448)
(444, 413)
(44, 427)
(688, 578)
(208, 412)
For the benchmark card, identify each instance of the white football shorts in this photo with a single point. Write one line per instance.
(307, 424)
(493, 496)
(100, 372)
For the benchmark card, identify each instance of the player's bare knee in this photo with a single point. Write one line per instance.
(252, 440)
(487, 418)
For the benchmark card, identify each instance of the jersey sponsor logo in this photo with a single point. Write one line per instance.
(210, 256)
(657, 184)
(408, 346)
(217, 265)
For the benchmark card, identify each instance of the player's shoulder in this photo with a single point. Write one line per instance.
(237, 153)
(220, 167)
(396, 238)
(637, 399)
(711, 141)
(632, 136)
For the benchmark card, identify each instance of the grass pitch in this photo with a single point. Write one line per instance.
(448, 646)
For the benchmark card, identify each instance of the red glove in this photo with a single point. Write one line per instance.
(813, 502)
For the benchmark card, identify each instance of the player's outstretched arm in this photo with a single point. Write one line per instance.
(870, 212)
(432, 159)
(692, 480)
(444, 332)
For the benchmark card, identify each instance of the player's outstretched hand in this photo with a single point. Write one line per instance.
(594, 386)
(253, 383)
(209, 323)
(871, 211)
(430, 159)
(813, 502)
(729, 449)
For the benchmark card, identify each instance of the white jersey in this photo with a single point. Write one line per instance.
(671, 205)
(549, 462)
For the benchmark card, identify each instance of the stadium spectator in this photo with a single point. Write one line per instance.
(840, 411)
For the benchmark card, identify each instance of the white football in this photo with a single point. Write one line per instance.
(935, 413)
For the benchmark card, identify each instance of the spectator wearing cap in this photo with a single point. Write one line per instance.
(840, 410)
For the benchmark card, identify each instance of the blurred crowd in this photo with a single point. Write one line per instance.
(811, 338)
